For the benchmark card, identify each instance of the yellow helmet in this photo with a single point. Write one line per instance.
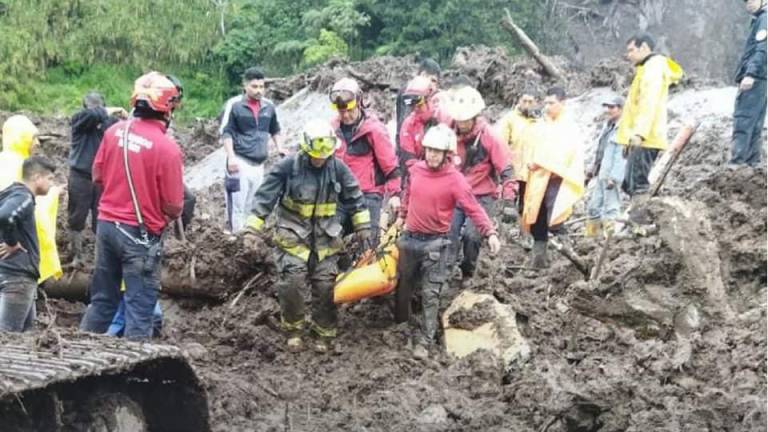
(440, 137)
(318, 139)
(465, 103)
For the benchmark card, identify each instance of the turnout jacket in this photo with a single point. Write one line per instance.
(307, 199)
(753, 59)
(17, 225)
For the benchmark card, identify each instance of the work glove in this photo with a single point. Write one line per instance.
(364, 239)
(251, 239)
(509, 213)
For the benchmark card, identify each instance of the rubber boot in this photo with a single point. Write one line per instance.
(294, 342)
(420, 352)
(76, 244)
(322, 338)
(539, 259)
(592, 228)
(609, 228)
(293, 331)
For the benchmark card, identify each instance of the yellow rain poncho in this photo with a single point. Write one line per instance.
(18, 136)
(645, 112)
(515, 130)
(558, 150)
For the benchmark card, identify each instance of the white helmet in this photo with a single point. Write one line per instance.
(440, 137)
(319, 139)
(465, 103)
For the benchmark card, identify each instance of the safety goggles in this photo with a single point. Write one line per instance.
(414, 100)
(321, 147)
(341, 103)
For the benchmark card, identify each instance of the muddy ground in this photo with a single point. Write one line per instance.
(671, 338)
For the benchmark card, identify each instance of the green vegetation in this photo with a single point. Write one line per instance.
(55, 51)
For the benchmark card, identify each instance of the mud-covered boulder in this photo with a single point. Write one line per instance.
(476, 322)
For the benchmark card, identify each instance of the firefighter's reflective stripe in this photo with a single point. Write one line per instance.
(291, 326)
(254, 222)
(302, 252)
(326, 332)
(308, 210)
(361, 217)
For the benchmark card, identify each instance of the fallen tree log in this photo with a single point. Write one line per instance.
(530, 47)
(210, 265)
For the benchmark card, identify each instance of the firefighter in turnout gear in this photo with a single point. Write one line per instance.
(307, 189)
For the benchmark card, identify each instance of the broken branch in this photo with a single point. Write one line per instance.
(530, 47)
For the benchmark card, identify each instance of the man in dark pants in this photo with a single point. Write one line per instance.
(642, 128)
(135, 208)
(749, 113)
(435, 190)
(307, 189)
(19, 247)
(486, 164)
(88, 126)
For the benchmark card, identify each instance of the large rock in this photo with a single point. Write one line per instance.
(480, 322)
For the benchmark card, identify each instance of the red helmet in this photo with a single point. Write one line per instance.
(419, 86)
(160, 93)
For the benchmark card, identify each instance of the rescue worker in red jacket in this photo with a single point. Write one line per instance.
(434, 190)
(367, 150)
(486, 163)
(141, 174)
(306, 188)
(424, 114)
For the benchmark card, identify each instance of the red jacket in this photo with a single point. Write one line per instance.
(156, 168)
(485, 161)
(412, 133)
(431, 196)
(370, 155)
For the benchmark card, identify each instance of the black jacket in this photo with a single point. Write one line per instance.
(250, 138)
(88, 126)
(17, 225)
(753, 60)
(307, 215)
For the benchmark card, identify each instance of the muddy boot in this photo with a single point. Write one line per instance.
(294, 342)
(322, 338)
(293, 331)
(420, 352)
(592, 228)
(76, 244)
(609, 228)
(322, 345)
(539, 259)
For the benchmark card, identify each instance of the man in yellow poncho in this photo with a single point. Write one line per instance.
(19, 136)
(555, 179)
(515, 129)
(643, 125)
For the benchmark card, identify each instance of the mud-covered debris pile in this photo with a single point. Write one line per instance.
(499, 78)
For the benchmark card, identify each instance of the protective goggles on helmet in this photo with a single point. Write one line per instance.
(320, 147)
(339, 104)
(414, 100)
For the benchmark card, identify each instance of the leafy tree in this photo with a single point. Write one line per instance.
(327, 45)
